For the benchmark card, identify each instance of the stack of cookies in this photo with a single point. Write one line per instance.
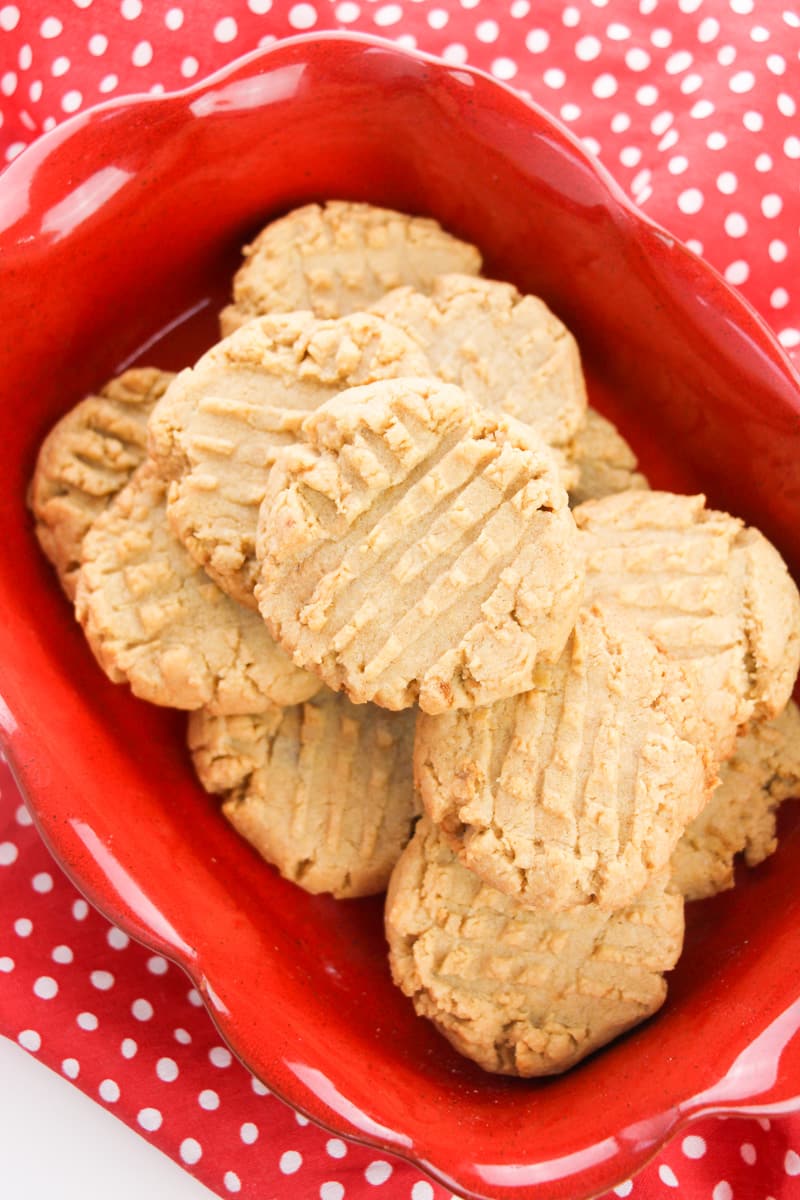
(433, 629)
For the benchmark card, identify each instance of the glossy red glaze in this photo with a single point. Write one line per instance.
(118, 235)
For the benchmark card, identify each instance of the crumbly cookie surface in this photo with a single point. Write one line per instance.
(218, 428)
(323, 790)
(155, 620)
(604, 462)
(415, 548)
(339, 259)
(87, 457)
(577, 791)
(740, 817)
(713, 593)
(520, 991)
(507, 351)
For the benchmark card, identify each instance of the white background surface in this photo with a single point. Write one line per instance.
(57, 1144)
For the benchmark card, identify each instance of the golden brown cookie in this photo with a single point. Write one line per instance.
(605, 462)
(523, 992)
(155, 620)
(338, 259)
(507, 351)
(416, 548)
(322, 790)
(87, 457)
(713, 593)
(740, 817)
(218, 428)
(575, 792)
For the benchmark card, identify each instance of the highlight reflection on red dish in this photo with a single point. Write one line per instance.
(118, 236)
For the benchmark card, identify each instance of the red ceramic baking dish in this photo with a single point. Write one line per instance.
(118, 235)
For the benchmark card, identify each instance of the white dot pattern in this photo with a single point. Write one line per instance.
(693, 107)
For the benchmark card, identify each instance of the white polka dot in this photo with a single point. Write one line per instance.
(108, 83)
(748, 1153)
(128, 1048)
(537, 40)
(60, 66)
(667, 1175)
(678, 164)
(300, 1119)
(142, 1009)
(421, 1191)
(722, 1191)
(45, 987)
(9, 17)
(149, 1119)
(670, 139)
(167, 1070)
(71, 101)
(331, 1191)
(708, 29)
(591, 144)
(587, 48)
(742, 81)
(504, 68)
(647, 6)
(182, 1036)
(604, 86)
(51, 27)
(43, 883)
(690, 201)
(737, 272)
(678, 62)
(220, 1056)
(102, 980)
(302, 16)
(661, 38)
(109, 1091)
(691, 83)
(226, 30)
(8, 851)
(336, 1148)
(48, 123)
(347, 11)
(759, 34)
(779, 298)
(735, 225)
(624, 1189)
(378, 1172)
(6, 964)
(455, 54)
(259, 7)
(291, 1161)
(116, 939)
(191, 1151)
(554, 77)
(248, 1133)
(87, 1021)
(23, 817)
(189, 67)
(131, 9)
(569, 112)
(208, 1099)
(520, 8)
(771, 205)
(778, 250)
(791, 147)
(637, 59)
(727, 183)
(792, 18)
(789, 338)
(630, 156)
(98, 44)
(80, 909)
(173, 18)
(142, 54)
(716, 141)
(726, 55)
(258, 1087)
(194, 998)
(29, 1039)
(438, 18)
(23, 927)
(620, 122)
(786, 105)
(487, 31)
(618, 32)
(776, 64)
(753, 121)
(647, 95)
(702, 109)
(232, 1182)
(71, 1068)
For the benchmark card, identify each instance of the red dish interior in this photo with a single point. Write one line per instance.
(125, 223)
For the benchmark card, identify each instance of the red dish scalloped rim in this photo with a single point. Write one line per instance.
(118, 234)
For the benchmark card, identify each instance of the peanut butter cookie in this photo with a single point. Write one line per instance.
(605, 462)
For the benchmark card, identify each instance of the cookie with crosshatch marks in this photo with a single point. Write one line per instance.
(577, 791)
(518, 990)
(155, 620)
(715, 594)
(339, 258)
(218, 428)
(415, 548)
(87, 457)
(509, 352)
(323, 790)
(604, 462)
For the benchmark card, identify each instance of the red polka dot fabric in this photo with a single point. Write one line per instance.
(692, 106)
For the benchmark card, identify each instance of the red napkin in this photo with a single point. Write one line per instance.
(693, 107)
